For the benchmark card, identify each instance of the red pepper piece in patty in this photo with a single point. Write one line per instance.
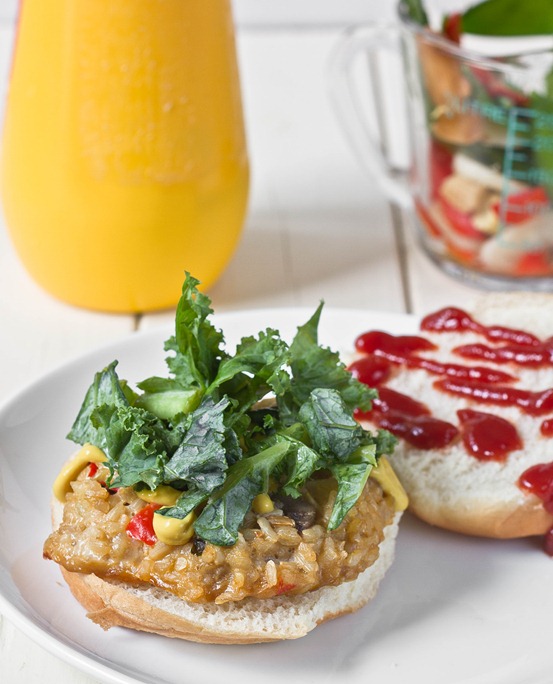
(141, 525)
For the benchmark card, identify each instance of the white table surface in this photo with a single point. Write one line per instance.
(317, 228)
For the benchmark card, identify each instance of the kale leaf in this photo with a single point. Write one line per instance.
(200, 460)
(198, 343)
(221, 519)
(260, 358)
(314, 367)
(347, 450)
(333, 431)
(351, 477)
(202, 431)
(106, 392)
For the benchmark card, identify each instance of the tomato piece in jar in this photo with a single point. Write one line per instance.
(534, 264)
(521, 206)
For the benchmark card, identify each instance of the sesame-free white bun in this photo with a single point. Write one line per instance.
(113, 603)
(447, 487)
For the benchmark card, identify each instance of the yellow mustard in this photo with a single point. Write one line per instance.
(87, 454)
(388, 480)
(174, 531)
(164, 495)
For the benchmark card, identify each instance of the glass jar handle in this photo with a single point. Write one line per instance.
(369, 40)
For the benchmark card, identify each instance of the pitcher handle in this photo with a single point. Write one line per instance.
(344, 95)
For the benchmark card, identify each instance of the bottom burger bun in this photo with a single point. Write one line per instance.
(236, 500)
(150, 609)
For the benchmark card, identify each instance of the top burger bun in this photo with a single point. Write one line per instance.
(446, 486)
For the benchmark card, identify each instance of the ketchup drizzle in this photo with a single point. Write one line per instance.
(451, 319)
(539, 481)
(401, 350)
(390, 401)
(454, 370)
(522, 355)
(410, 419)
(488, 437)
(546, 428)
(371, 370)
(401, 345)
(533, 403)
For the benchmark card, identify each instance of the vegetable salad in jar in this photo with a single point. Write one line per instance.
(485, 203)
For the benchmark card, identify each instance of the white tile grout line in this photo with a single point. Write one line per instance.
(401, 247)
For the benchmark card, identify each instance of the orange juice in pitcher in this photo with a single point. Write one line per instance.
(124, 159)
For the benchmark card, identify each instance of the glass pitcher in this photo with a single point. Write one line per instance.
(480, 132)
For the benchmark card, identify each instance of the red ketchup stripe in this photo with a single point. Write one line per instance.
(546, 428)
(371, 370)
(488, 437)
(409, 419)
(539, 481)
(450, 369)
(402, 345)
(532, 403)
(402, 350)
(533, 356)
(391, 401)
(422, 432)
(452, 319)
(455, 370)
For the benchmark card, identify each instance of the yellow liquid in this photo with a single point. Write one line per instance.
(124, 159)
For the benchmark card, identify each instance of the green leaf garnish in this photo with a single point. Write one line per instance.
(106, 391)
(416, 11)
(221, 518)
(509, 18)
(332, 430)
(315, 367)
(202, 431)
(200, 459)
(197, 343)
(351, 477)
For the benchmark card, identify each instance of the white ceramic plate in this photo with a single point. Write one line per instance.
(452, 610)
